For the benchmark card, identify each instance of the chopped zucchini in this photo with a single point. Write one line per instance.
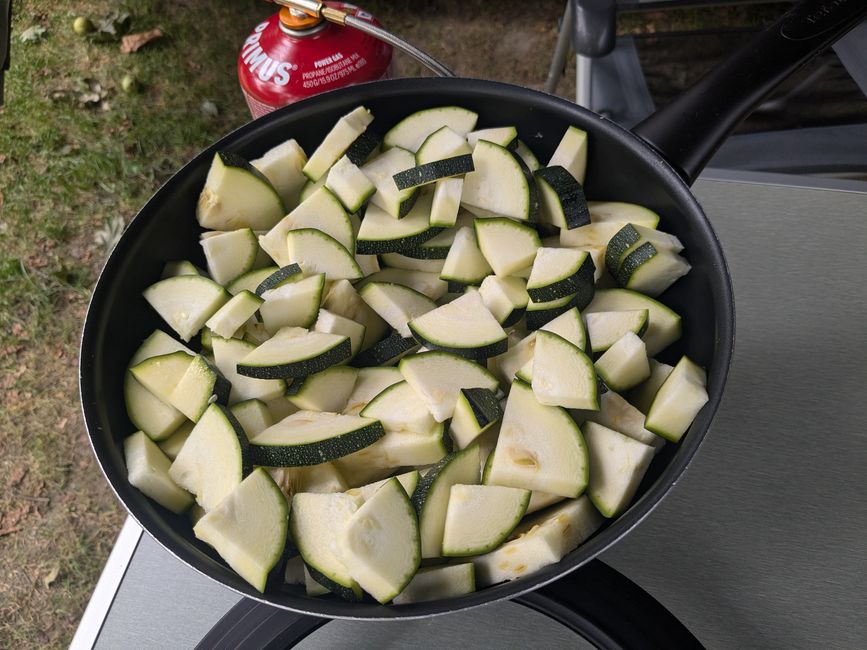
(642, 395)
(476, 411)
(345, 131)
(480, 517)
(381, 233)
(465, 263)
(172, 445)
(253, 416)
(437, 583)
(396, 304)
(148, 469)
(558, 272)
(363, 147)
(411, 132)
(570, 326)
(562, 375)
(505, 297)
(250, 280)
(386, 352)
(316, 252)
(237, 195)
(617, 465)
(186, 302)
(400, 410)
(294, 304)
(651, 270)
(678, 400)
(398, 261)
(540, 313)
(369, 383)
(505, 136)
(529, 158)
(408, 481)
(230, 254)
(295, 352)
(391, 200)
(343, 299)
(200, 385)
(607, 327)
(499, 185)
(571, 153)
(446, 202)
(180, 267)
(231, 316)
(618, 414)
(327, 390)
(441, 144)
(630, 237)
(507, 245)
(349, 184)
(463, 326)
(425, 283)
(561, 198)
(433, 171)
(663, 326)
(227, 354)
(624, 364)
(334, 324)
(617, 212)
(282, 166)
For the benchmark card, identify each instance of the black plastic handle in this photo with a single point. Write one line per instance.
(689, 130)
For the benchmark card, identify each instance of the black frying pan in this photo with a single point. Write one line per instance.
(653, 166)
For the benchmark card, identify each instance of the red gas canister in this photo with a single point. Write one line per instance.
(291, 56)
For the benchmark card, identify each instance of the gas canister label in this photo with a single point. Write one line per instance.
(263, 66)
(332, 68)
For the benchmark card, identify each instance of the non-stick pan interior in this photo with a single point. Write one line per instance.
(620, 167)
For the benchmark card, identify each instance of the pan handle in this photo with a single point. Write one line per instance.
(689, 130)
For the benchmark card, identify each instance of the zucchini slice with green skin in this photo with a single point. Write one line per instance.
(369, 383)
(343, 299)
(160, 374)
(465, 263)
(379, 544)
(172, 445)
(388, 197)
(499, 184)
(280, 408)
(446, 202)
(282, 166)
(237, 195)
(365, 145)
(463, 326)
(396, 304)
(663, 327)
(540, 540)
(540, 447)
(559, 272)
(411, 132)
(186, 302)
(201, 384)
(325, 391)
(618, 414)
(441, 144)
(507, 245)
(437, 583)
(293, 304)
(642, 395)
(249, 528)
(509, 363)
(570, 326)
(349, 184)
(571, 153)
(341, 136)
(232, 316)
(505, 297)
(400, 410)
(311, 437)
(148, 470)
(229, 254)
(315, 521)
(617, 465)
(505, 136)
(386, 352)
(678, 400)
(438, 378)
(651, 270)
(250, 280)
(294, 352)
(630, 237)
(431, 496)
(562, 198)
(334, 324)
(607, 327)
(476, 411)
(316, 252)
(180, 267)
(322, 211)
(527, 155)
(368, 264)
(323, 478)
(214, 459)
(145, 409)
(425, 283)
(382, 233)
(309, 188)
(562, 374)
(405, 262)
(624, 365)
(480, 517)
(253, 416)
(408, 481)
(618, 212)
(541, 500)
(540, 313)
(433, 171)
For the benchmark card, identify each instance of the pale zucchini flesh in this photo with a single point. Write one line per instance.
(617, 465)
(480, 517)
(148, 470)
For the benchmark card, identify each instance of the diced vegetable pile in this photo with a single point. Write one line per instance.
(418, 365)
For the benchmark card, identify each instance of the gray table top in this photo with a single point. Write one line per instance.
(761, 543)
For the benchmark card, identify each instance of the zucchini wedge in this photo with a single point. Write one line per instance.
(295, 352)
(480, 517)
(172, 445)
(505, 297)
(663, 326)
(400, 410)
(386, 352)
(237, 195)
(327, 390)
(618, 414)
(463, 326)
(249, 528)
(630, 237)
(405, 262)
(341, 136)
(642, 395)
(379, 544)
(540, 447)
(570, 326)
(624, 365)
(446, 202)
(433, 171)
(558, 272)
(363, 147)
(396, 304)
(315, 522)
(507, 245)
(282, 166)
(251, 280)
(369, 383)
(293, 304)
(331, 323)
(231, 316)
(562, 198)
(148, 470)
(343, 300)
(311, 437)
(439, 582)
(540, 313)
(441, 144)
(617, 465)
(498, 184)
(505, 136)
(562, 374)
(527, 156)
(618, 212)
(186, 302)
(651, 270)
(571, 153)
(253, 416)
(408, 481)
(426, 283)
(349, 184)
(411, 132)
(382, 233)
(678, 400)
(465, 263)
(476, 411)
(316, 252)
(605, 328)
(229, 254)
(395, 202)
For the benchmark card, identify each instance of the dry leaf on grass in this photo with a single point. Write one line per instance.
(134, 42)
(51, 575)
